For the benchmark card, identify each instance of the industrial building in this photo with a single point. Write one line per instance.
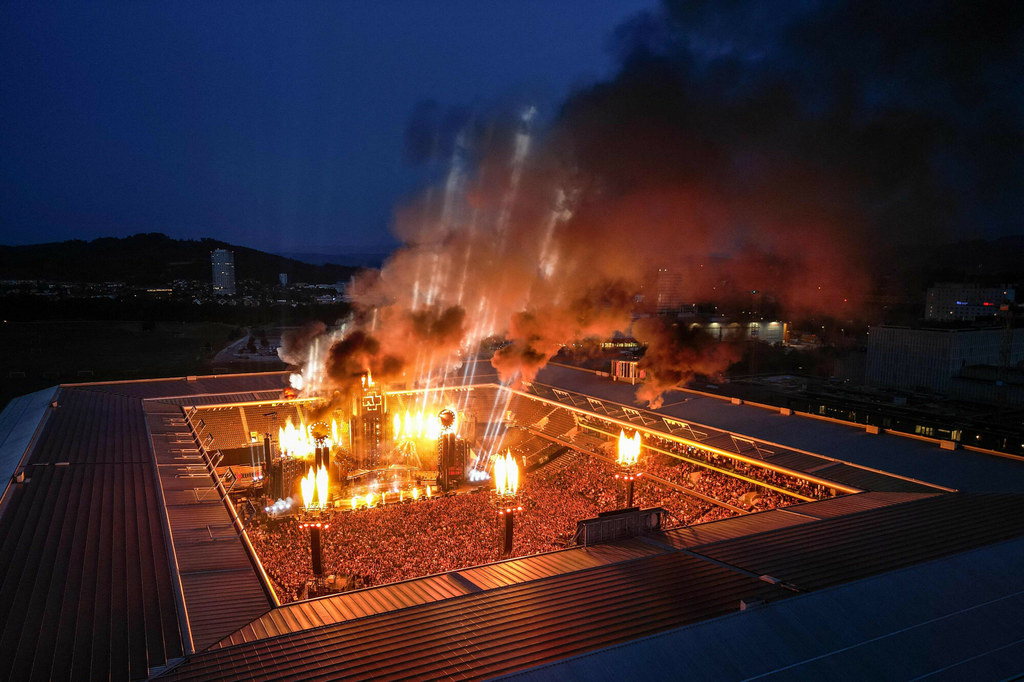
(927, 359)
(965, 302)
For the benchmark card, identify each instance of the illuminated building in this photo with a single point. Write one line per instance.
(223, 262)
(965, 302)
(669, 290)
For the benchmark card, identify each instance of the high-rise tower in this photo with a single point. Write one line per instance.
(223, 272)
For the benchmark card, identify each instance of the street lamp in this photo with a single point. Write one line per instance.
(629, 457)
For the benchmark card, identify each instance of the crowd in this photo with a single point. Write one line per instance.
(759, 473)
(733, 491)
(385, 544)
(382, 544)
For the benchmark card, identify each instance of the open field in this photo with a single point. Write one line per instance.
(40, 354)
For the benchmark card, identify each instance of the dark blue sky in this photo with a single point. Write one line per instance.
(273, 125)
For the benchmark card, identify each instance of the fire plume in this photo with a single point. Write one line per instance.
(308, 484)
(322, 485)
(506, 475)
(315, 488)
(629, 449)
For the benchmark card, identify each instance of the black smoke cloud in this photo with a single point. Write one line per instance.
(675, 354)
(295, 343)
(355, 354)
(777, 147)
(905, 112)
(426, 334)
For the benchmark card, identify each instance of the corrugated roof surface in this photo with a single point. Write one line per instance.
(89, 427)
(737, 526)
(361, 603)
(487, 633)
(348, 606)
(85, 581)
(849, 504)
(794, 460)
(922, 460)
(216, 399)
(204, 385)
(955, 618)
(827, 552)
(223, 398)
(555, 563)
(865, 479)
(18, 423)
(222, 590)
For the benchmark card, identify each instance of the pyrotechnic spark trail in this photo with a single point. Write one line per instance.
(522, 148)
(495, 423)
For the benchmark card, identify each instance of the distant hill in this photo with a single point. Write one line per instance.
(362, 260)
(151, 259)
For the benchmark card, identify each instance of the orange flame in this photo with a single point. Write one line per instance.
(506, 475)
(308, 485)
(629, 449)
(322, 485)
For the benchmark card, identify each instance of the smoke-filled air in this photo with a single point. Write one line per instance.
(695, 157)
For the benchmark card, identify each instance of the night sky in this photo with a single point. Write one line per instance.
(305, 126)
(274, 125)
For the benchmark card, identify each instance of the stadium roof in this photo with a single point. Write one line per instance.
(894, 454)
(116, 555)
(954, 618)
(120, 558)
(535, 620)
(844, 476)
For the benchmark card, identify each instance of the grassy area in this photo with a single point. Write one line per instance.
(40, 354)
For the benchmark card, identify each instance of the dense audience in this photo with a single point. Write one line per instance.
(400, 541)
(759, 473)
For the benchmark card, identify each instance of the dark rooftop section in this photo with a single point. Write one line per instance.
(480, 635)
(85, 574)
(553, 616)
(90, 584)
(166, 389)
(119, 557)
(361, 603)
(836, 550)
(19, 422)
(752, 524)
(954, 618)
(220, 585)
